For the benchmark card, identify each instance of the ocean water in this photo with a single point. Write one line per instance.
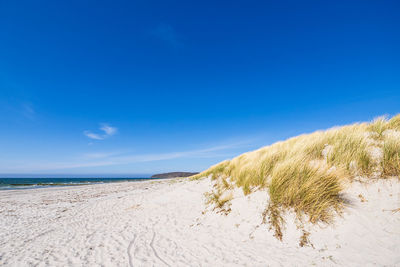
(31, 183)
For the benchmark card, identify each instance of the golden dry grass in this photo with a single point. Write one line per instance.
(308, 172)
(391, 156)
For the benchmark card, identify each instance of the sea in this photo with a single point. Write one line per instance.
(32, 183)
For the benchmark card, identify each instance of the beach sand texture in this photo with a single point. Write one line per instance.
(166, 223)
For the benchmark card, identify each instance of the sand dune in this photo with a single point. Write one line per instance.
(166, 223)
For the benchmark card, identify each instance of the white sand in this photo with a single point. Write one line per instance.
(161, 223)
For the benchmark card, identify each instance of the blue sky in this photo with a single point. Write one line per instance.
(140, 87)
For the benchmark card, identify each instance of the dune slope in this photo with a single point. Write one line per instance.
(309, 173)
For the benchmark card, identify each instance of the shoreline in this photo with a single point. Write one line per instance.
(8, 187)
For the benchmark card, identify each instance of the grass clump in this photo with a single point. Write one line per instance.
(306, 173)
(391, 157)
(215, 171)
(273, 215)
(220, 200)
(394, 123)
(379, 125)
(349, 149)
(307, 189)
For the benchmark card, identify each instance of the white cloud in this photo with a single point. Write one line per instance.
(107, 129)
(93, 135)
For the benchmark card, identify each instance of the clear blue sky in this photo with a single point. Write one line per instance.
(128, 87)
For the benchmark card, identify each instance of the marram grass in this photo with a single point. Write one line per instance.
(307, 173)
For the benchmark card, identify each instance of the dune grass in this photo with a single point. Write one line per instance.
(307, 173)
(391, 156)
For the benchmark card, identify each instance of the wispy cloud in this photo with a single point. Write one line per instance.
(167, 33)
(108, 129)
(100, 159)
(107, 132)
(93, 135)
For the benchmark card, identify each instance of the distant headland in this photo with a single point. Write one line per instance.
(174, 174)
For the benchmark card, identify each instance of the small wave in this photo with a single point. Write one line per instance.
(25, 183)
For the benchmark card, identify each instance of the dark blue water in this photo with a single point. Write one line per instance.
(30, 183)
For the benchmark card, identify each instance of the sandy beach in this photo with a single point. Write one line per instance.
(166, 223)
(199, 133)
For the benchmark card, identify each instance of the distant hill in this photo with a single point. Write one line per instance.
(174, 174)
